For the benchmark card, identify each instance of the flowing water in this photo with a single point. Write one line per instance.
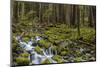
(36, 58)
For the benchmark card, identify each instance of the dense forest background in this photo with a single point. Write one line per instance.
(58, 24)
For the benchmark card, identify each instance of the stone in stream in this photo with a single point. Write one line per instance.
(30, 42)
(37, 38)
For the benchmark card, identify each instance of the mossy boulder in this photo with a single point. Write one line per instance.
(22, 61)
(45, 43)
(38, 50)
(78, 59)
(46, 61)
(64, 53)
(24, 55)
(26, 39)
(57, 58)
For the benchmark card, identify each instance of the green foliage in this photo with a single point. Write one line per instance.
(30, 14)
(47, 13)
(22, 61)
(16, 49)
(36, 34)
(88, 34)
(24, 18)
(14, 46)
(35, 20)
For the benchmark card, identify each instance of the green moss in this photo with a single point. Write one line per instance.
(48, 32)
(24, 55)
(88, 34)
(78, 59)
(38, 50)
(16, 49)
(58, 33)
(58, 58)
(45, 43)
(54, 47)
(14, 46)
(45, 61)
(64, 53)
(36, 34)
(42, 41)
(22, 61)
(26, 39)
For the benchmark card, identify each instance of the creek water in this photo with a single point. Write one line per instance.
(36, 58)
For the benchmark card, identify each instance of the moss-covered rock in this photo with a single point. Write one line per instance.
(24, 55)
(38, 50)
(64, 53)
(26, 39)
(45, 43)
(46, 61)
(78, 59)
(22, 61)
(57, 58)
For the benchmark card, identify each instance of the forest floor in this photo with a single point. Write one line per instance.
(67, 42)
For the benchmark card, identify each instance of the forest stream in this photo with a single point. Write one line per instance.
(34, 56)
(48, 54)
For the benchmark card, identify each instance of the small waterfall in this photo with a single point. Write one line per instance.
(49, 55)
(55, 52)
(46, 51)
(30, 42)
(50, 51)
(36, 58)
